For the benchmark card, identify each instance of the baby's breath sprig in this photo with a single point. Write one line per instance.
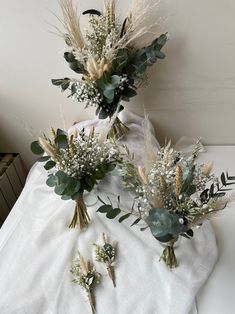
(106, 254)
(85, 274)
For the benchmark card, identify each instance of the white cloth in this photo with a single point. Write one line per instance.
(36, 249)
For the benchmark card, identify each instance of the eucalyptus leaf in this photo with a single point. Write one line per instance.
(60, 132)
(52, 181)
(36, 148)
(72, 187)
(113, 213)
(115, 80)
(65, 197)
(59, 189)
(135, 222)
(49, 165)
(109, 91)
(62, 141)
(223, 179)
(61, 176)
(163, 223)
(104, 208)
(124, 217)
(44, 158)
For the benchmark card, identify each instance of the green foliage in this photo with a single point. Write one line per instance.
(61, 141)
(219, 189)
(187, 187)
(112, 212)
(164, 224)
(139, 61)
(36, 148)
(49, 165)
(120, 61)
(124, 217)
(64, 185)
(44, 158)
(74, 64)
(63, 83)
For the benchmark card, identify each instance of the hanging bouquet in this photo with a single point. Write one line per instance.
(76, 163)
(109, 56)
(174, 195)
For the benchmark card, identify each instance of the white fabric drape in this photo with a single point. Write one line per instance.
(36, 249)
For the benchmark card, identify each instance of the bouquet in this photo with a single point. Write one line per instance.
(85, 275)
(174, 195)
(76, 163)
(109, 57)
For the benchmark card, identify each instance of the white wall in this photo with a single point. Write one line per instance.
(192, 92)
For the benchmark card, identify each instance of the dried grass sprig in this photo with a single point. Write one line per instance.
(71, 23)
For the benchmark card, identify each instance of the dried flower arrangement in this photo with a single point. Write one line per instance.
(85, 274)
(106, 253)
(108, 56)
(76, 163)
(174, 195)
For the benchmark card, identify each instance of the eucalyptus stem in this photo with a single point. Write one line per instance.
(168, 255)
(118, 129)
(80, 217)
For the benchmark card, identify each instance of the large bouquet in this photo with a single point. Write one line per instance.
(109, 56)
(174, 195)
(76, 162)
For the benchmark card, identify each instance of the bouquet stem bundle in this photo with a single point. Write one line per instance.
(118, 129)
(91, 300)
(81, 216)
(110, 271)
(168, 254)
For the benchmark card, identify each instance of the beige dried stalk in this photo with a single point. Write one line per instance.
(206, 170)
(95, 69)
(71, 23)
(47, 147)
(163, 184)
(109, 14)
(142, 175)
(178, 180)
(140, 29)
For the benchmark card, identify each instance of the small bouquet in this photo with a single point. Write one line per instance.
(106, 253)
(85, 274)
(110, 56)
(75, 163)
(174, 195)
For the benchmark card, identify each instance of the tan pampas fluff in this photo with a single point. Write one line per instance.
(206, 170)
(71, 23)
